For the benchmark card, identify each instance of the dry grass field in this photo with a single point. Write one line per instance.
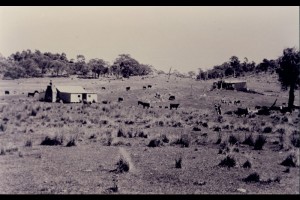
(121, 148)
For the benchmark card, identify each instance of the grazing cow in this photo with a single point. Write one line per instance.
(120, 99)
(174, 105)
(160, 106)
(31, 94)
(104, 102)
(236, 102)
(127, 88)
(149, 86)
(6, 92)
(146, 105)
(166, 107)
(103, 88)
(140, 103)
(242, 111)
(144, 87)
(171, 98)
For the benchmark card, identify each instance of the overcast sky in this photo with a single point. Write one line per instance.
(184, 38)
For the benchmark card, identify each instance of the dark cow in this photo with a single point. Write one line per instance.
(171, 98)
(242, 111)
(6, 92)
(144, 87)
(104, 102)
(31, 94)
(144, 104)
(166, 107)
(120, 99)
(236, 102)
(127, 88)
(103, 88)
(174, 105)
(149, 86)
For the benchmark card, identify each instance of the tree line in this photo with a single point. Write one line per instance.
(28, 64)
(237, 68)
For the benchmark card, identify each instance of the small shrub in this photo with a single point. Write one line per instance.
(247, 164)
(259, 142)
(228, 161)
(249, 140)
(28, 143)
(254, 177)
(154, 143)
(232, 140)
(52, 141)
(267, 129)
(178, 163)
(71, 142)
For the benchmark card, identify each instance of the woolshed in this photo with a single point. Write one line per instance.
(67, 94)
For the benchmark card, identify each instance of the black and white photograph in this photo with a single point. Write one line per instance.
(113, 100)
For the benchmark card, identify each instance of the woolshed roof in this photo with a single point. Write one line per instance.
(234, 81)
(72, 89)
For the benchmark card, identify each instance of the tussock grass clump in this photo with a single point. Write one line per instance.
(178, 162)
(249, 140)
(290, 161)
(56, 140)
(228, 162)
(267, 129)
(259, 142)
(141, 134)
(252, 178)
(233, 139)
(2, 152)
(28, 143)
(33, 112)
(184, 141)
(122, 166)
(2, 127)
(164, 138)
(219, 140)
(154, 143)
(247, 164)
(71, 142)
(295, 138)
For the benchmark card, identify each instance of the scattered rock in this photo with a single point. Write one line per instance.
(242, 190)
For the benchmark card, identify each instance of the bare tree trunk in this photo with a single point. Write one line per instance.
(291, 96)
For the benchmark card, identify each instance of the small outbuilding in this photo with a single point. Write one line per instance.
(238, 85)
(75, 94)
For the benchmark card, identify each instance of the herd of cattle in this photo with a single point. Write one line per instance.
(259, 110)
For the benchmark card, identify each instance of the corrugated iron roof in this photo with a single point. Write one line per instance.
(71, 89)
